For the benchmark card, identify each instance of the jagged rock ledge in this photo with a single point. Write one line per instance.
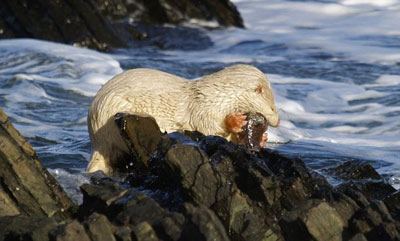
(106, 24)
(194, 187)
(26, 187)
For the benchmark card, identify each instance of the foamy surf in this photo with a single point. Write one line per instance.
(362, 30)
(73, 68)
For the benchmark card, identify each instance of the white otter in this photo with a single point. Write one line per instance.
(212, 105)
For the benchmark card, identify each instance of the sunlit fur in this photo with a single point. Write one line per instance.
(176, 103)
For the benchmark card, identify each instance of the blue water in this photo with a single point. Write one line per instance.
(337, 86)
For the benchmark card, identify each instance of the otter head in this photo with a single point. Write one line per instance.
(261, 99)
(236, 89)
(256, 95)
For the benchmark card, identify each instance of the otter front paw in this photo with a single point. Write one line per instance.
(235, 122)
(264, 139)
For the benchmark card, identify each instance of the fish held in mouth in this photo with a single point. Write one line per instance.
(254, 134)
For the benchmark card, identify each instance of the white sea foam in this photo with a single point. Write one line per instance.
(387, 80)
(352, 28)
(380, 3)
(87, 70)
(325, 115)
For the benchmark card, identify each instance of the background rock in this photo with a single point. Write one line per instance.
(354, 170)
(104, 24)
(361, 176)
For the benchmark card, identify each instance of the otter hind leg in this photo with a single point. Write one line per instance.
(118, 160)
(98, 163)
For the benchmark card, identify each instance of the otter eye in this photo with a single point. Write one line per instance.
(259, 89)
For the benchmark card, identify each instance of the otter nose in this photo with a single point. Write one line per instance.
(279, 121)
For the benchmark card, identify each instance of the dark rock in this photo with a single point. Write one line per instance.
(203, 224)
(358, 237)
(362, 182)
(72, 231)
(144, 231)
(222, 181)
(298, 183)
(123, 234)
(249, 192)
(241, 219)
(167, 225)
(383, 210)
(242, 169)
(373, 190)
(101, 198)
(248, 189)
(141, 134)
(392, 202)
(285, 167)
(170, 37)
(354, 170)
(193, 170)
(357, 196)
(171, 11)
(26, 187)
(375, 222)
(386, 231)
(129, 208)
(20, 227)
(99, 228)
(345, 206)
(195, 187)
(315, 220)
(102, 24)
(70, 21)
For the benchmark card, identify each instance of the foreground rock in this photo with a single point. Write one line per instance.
(26, 187)
(194, 187)
(103, 24)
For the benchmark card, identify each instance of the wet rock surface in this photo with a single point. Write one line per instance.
(26, 187)
(361, 176)
(105, 24)
(195, 187)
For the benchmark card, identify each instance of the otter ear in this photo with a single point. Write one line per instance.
(259, 89)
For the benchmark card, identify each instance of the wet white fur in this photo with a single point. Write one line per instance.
(176, 104)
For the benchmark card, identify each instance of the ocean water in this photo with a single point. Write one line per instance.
(334, 67)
